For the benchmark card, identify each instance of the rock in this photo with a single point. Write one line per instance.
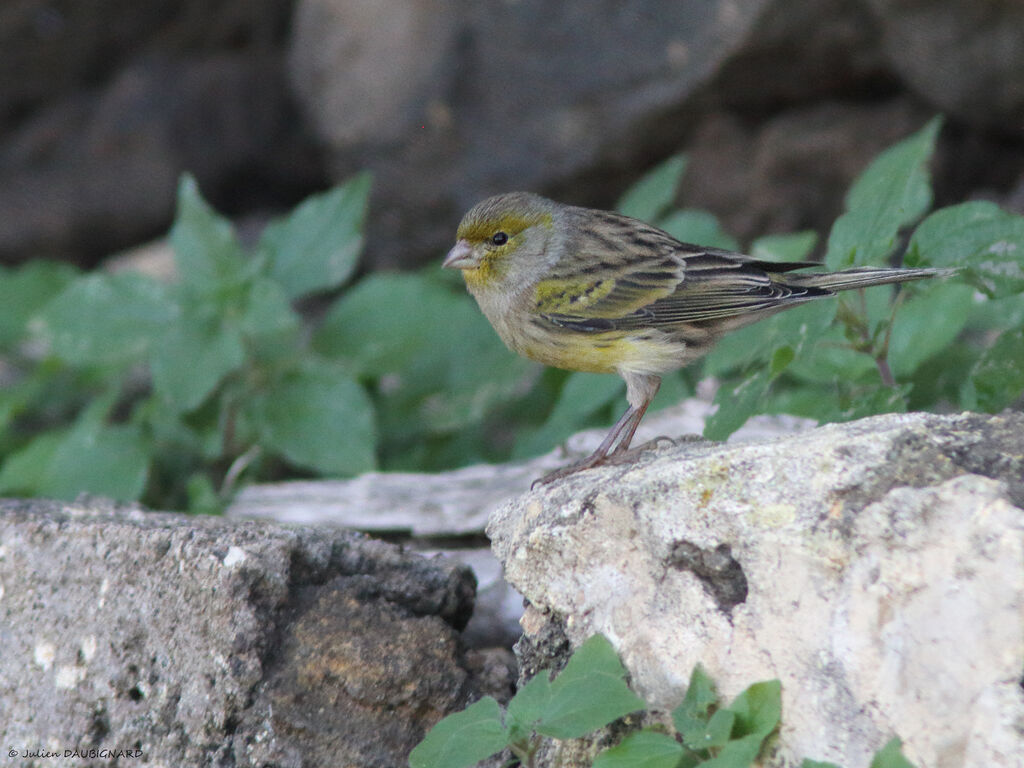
(506, 101)
(876, 568)
(965, 58)
(427, 511)
(459, 502)
(111, 180)
(455, 101)
(204, 641)
(50, 49)
(368, 81)
(102, 107)
(792, 171)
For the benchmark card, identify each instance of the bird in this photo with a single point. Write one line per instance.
(590, 290)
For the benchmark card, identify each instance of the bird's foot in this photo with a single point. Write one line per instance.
(594, 460)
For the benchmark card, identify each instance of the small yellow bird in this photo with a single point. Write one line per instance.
(590, 290)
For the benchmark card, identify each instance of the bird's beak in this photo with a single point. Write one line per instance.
(461, 257)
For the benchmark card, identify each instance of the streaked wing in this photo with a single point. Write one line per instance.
(666, 283)
(618, 292)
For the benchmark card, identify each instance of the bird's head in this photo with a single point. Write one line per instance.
(503, 241)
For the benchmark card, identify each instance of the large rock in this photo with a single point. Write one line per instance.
(962, 56)
(50, 49)
(791, 171)
(452, 101)
(453, 508)
(103, 105)
(208, 642)
(876, 568)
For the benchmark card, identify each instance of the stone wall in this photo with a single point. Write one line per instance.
(779, 103)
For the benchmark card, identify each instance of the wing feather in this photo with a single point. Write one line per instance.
(663, 283)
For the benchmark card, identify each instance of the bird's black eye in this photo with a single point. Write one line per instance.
(499, 238)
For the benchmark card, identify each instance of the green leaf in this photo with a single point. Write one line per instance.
(25, 290)
(462, 739)
(798, 328)
(268, 323)
(106, 318)
(581, 397)
(986, 241)
(817, 764)
(758, 709)
(820, 403)
(27, 471)
(880, 399)
(643, 749)
(318, 417)
(88, 458)
(589, 693)
(781, 359)
(894, 191)
(736, 403)
(700, 227)
(203, 498)
(712, 734)
(386, 320)
(527, 707)
(890, 756)
(267, 311)
(700, 693)
(183, 440)
(788, 247)
(691, 716)
(996, 313)
(738, 753)
(192, 358)
(650, 197)
(926, 324)
(207, 252)
(316, 246)
(832, 359)
(998, 377)
(442, 368)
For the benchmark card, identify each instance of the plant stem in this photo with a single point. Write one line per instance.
(885, 371)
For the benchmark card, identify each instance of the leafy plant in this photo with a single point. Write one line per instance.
(591, 693)
(223, 351)
(941, 343)
(125, 386)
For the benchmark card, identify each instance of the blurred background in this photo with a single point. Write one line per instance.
(778, 103)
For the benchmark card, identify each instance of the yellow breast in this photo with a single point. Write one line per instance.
(612, 352)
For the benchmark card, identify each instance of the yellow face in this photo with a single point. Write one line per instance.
(491, 232)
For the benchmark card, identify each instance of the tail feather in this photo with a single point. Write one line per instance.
(862, 277)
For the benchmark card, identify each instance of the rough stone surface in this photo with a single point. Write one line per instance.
(459, 503)
(449, 511)
(876, 568)
(208, 642)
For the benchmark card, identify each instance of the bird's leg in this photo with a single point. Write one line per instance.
(639, 410)
(640, 390)
(598, 456)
